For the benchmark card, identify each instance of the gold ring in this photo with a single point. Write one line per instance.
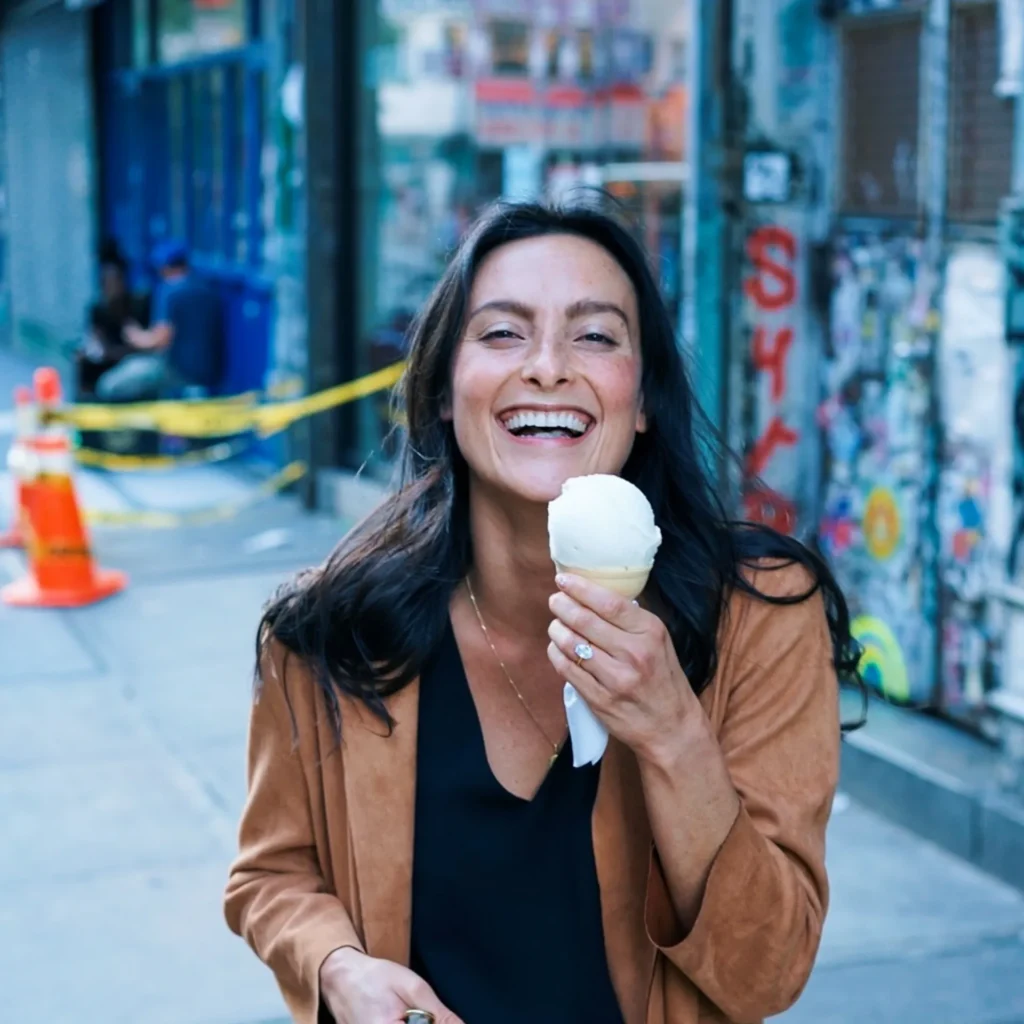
(418, 1017)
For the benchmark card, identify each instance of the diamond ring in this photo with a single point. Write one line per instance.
(583, 652)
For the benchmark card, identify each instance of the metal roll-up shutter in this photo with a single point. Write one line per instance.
(981, 124)
(50, 174)
(881, 100)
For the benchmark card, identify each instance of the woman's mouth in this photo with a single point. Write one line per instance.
(542, 425)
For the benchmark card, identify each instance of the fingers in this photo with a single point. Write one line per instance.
(590, 626)
(420, 996)
(565, 642)
(604, 603)
(586, 685)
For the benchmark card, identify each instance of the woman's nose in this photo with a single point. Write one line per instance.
(547, 364)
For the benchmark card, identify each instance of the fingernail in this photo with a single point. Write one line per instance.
(562, 580)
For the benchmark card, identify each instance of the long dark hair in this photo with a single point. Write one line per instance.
(367, 619)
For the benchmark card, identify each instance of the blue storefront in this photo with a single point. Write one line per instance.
(181, 96)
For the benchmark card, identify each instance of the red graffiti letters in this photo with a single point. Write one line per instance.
(772, 357)
(772, 290)
(770, 508)
(777, 435)
(758, 252)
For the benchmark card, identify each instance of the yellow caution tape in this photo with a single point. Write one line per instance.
(200, 517)
(272, 419)
(221, 417)
(96, 459)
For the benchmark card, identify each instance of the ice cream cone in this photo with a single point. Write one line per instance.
(629, 583)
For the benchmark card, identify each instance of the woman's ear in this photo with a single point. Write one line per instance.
(641, 418)
(446, 410)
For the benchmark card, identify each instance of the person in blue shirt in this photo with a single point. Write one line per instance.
(181, 353)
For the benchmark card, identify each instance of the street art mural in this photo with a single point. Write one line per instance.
(876, 522)
(916, 516)
(974, 498)
(778, 374)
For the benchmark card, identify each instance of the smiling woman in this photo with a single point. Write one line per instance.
(439, 858)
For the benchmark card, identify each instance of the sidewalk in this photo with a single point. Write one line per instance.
(122, 738)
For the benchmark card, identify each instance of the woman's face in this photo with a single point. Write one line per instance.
(546, 377)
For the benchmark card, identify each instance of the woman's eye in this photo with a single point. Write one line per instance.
(500, 334)
(601, 339)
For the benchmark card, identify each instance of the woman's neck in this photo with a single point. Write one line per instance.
(513, 575)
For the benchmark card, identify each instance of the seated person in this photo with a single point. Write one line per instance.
(181, 354)
(117, 310)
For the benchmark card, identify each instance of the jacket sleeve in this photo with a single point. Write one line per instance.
(753, 945)
(277, 898)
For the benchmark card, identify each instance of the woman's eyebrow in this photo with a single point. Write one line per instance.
(587, 307)
(505, 306)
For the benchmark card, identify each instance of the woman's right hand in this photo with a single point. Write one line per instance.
(359, 989)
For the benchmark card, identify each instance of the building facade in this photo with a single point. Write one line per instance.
(140, 121)
(919, 374)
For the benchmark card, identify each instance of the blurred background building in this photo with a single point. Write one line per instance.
(829, 189)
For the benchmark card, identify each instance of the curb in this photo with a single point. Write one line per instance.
(974, 822)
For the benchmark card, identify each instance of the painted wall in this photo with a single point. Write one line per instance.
(918, 428)
(975, 498)
(880, 429)
(785, 54)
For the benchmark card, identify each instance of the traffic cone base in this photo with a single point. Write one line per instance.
(26, 593)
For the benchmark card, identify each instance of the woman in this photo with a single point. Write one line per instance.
(445, 856)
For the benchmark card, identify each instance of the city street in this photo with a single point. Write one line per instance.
(122, 734)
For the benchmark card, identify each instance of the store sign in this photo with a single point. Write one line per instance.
(568, 118)
(507, 112)
(624, 108)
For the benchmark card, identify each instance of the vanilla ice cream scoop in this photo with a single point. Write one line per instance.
(600, 527)
(602, 522)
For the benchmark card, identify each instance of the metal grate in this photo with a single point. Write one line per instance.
(981, 124)
(881, 91)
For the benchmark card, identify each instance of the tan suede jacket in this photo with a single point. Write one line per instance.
(327, 832)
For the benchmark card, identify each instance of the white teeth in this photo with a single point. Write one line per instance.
(546, 420)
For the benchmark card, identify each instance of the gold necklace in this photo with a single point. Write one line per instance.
(556, 747)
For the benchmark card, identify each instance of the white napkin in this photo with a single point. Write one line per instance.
(589, 736)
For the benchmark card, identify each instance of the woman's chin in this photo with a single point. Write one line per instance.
(534, 488)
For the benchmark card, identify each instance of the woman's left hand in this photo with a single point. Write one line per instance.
(634, 683)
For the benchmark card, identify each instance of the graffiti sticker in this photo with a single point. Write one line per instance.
(882, 525)
(882, 664)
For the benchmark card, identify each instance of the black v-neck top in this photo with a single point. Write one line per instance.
(506, 912)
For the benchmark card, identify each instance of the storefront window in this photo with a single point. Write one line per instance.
(481, 99)
(191, 28)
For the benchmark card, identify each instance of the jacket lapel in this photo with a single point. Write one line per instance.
(380, 790)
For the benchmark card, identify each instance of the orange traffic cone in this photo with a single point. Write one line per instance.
(18, 464)
(62, 573)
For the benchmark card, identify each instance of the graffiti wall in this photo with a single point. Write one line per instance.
(780, 376)
(916, 515)
(975, 499)
(877, 521)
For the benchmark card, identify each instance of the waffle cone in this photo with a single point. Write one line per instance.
(627, 582)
